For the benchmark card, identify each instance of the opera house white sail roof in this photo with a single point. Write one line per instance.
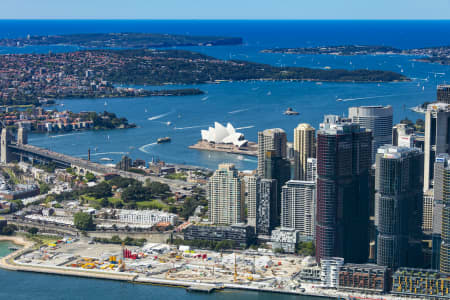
(220, 134)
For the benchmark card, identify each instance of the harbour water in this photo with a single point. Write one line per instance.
(252, 106)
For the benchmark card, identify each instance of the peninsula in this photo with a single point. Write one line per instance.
(38, 120)
(337, 50)
(33, 78)
(120, 40)
(440, 54)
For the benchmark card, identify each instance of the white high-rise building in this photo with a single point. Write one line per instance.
(298, 203)
(304, 148)
(270, 139)
(437, 133)
(311, 169)
(225, 196)
(377, 119)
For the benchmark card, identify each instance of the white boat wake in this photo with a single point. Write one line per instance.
(190, 127)
(245, 127)
(238, 111)
(103, 153)
(143, 148)
(159, 116)
(106, 153)
(63, 135)
(374, 97)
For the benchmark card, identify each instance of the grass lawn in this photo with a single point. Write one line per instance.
(154, 204)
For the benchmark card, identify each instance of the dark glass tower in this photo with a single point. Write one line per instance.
(278, 168)
(343, 162)
(442, 206)
(398, 206)
(443, 94)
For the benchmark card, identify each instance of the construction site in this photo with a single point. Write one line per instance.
(167, 263)
(162, 264)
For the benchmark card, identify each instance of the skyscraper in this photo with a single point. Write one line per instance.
(270, 139)
(311, 169)
(262, 204)
(304, 148)
(225, 196)
(278, 169)
(398, 206)
(343, 163)
(443, 93)
(298, 203)
(378, 119)
(427, 212)
(442, 195)
(437, 137)
(441, 166)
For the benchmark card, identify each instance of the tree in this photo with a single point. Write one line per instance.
(104, 202)
(89, 176)
(83, 221)
(9, 229)
(101, 190)
(116, 239)
(136, 192)
(44, 188)
(158, 188)
(33, 230)
(306, 248)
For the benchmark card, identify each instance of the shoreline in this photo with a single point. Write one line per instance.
(8, 263)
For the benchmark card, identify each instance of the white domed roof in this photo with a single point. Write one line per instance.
(223, 135)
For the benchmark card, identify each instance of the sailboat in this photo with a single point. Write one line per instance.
(106, 103)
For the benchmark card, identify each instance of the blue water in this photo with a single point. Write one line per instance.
(244, 104)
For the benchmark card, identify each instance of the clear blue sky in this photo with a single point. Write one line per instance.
(224, 9)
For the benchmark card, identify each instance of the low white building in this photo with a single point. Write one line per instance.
(147, 217)
(284, 238)
(329, 273)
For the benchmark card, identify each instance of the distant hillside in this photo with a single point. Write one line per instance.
(121, 40)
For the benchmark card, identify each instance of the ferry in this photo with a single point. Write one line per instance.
(163, 140)
(106, 159)
(291, 112)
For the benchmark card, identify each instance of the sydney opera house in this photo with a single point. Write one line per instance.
(220, 134)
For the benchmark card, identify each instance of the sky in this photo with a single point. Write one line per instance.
(225, 9)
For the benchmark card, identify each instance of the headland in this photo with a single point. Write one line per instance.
(120, 40)
(37, 78)
(439, 54)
